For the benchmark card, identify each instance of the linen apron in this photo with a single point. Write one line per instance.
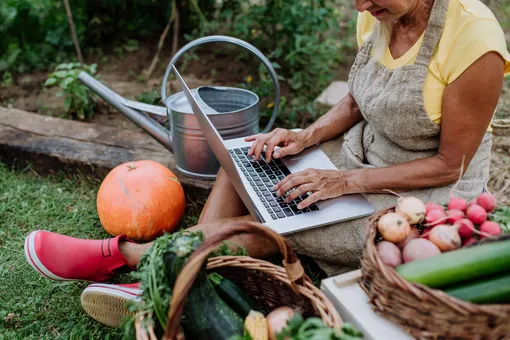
(395, 129)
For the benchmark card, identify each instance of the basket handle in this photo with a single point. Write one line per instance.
(192, 268)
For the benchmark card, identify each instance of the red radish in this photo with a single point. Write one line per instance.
(457, 203)
(419, 249)
(435, 215)
(426, 233)
(433, 206)
(465, 228)
(486, 201)
(476, 214)
(454, 216)
(412, 208)
(413, 233)
(389, 253)
(445, 237)
(469, 241)
(393, 227)
(491, 228)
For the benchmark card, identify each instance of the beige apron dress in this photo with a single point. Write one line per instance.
(395, 129)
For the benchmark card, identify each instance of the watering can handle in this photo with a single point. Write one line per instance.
(235, 41)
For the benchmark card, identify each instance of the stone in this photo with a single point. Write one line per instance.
(333, 93)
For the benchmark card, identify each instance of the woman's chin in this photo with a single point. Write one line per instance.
(382, 15)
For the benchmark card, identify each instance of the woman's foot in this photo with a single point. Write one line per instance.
(59, 257)
(107, 303)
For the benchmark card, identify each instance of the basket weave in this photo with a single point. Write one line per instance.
(423, 312)
(271, 286)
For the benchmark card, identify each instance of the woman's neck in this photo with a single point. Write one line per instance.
(416, 19)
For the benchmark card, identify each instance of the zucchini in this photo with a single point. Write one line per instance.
(238, 300)
(206, 315)
(458, 265)
(487, 290)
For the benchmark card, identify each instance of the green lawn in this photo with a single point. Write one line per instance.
(33, 307)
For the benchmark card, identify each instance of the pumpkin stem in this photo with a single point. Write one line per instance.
(131, 167)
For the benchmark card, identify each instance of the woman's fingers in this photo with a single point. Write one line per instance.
(316, 196)
(293, 181)
(300, 190)
(252, 137)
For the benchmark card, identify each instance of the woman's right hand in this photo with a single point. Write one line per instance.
(290, 143)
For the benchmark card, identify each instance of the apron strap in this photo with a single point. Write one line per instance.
(433, 32)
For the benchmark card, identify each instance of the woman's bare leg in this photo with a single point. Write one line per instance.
(223, 201)
(223, 205)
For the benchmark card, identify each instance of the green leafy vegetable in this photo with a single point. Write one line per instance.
(502, 216)
(315, 329)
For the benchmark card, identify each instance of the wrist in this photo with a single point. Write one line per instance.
(356, 181)
(309, 136)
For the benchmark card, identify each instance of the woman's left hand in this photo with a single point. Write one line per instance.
(323, 184)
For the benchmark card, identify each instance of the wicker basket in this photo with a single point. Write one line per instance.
(271, 286)
(423, 312)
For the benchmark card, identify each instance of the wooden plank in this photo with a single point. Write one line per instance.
(53, 144)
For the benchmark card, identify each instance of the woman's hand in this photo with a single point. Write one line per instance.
(291, 143)
(323, 184)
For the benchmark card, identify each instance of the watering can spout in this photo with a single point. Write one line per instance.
(158, 132)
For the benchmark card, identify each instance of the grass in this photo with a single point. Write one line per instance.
(33, 307)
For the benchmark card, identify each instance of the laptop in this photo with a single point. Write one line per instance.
(254, 180)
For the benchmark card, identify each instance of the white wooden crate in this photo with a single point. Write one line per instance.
(352, 303)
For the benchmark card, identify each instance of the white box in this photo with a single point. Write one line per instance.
(352, 304)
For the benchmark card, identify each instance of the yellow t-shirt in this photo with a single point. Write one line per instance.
(470, 31)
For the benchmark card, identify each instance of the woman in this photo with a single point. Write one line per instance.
(423, 90)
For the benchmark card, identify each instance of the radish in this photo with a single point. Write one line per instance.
(465, 228)
(457, 203)
(412, 208)
(454, 216)
(389, 253)
(491, 228)
(445, 237)
(426, 233)
(433, 206)
(419, 249)
(435, 215)
(476, 214)
(393, 227)
(469, 241)
(413, 233)
(486, 201)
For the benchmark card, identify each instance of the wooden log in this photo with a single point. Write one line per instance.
(52, 144)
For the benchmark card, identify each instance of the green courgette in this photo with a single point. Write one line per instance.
(459, 265)
(205, 316)
(486, 290)
(238, 300)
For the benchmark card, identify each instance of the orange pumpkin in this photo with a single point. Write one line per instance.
(141, 199)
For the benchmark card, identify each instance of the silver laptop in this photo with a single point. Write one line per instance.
(253, 181)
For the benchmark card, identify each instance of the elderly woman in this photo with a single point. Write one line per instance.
(423, 90)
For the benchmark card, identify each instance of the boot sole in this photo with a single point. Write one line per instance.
(107, 304)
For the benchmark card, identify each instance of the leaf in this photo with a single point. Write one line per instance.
(68, 101)
(64, 66)
(60, 74)
(50, 81)
(93, 68)
(65, 83)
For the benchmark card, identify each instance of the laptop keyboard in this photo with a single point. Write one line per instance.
(262, 177)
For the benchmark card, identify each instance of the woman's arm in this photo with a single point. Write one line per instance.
(468, 106)
(336, 121)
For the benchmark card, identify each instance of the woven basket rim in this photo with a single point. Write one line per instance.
(420, 291)
(318, 299)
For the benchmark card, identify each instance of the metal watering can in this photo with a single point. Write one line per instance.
(233, 111)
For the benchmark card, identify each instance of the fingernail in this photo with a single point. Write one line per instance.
(300, 206)
(278, 193)
(276, 154)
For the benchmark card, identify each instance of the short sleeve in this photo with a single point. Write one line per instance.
(364, 27)
(476, 38)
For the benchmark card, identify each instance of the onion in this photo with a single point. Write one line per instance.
(412, 208)
(393, 227)
(277, 320)
(445, 237)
